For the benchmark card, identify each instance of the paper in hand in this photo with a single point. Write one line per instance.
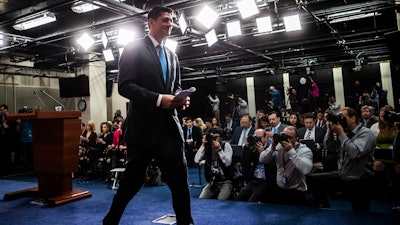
(185, 93)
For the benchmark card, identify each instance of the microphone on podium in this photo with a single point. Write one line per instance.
(63, 107)
(40, 99)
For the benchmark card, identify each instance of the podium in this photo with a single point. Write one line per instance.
(55, 155)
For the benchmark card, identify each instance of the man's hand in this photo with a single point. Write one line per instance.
(336, 128)
(170, 102)
(287, 145)
(259, 146)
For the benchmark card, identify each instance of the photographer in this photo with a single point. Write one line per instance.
(215, 105)
(275, 97)
(218, 171)
(334, 106)
(293, 162)
(258, 176)
(242, 107)
(356, 153)
(365, 99)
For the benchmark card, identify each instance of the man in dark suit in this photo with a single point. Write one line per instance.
(150, 78)
(193, 139)
(228, 126)
(310, 133)
(276, 125)
(243, 131)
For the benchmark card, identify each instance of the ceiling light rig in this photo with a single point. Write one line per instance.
(34, 21)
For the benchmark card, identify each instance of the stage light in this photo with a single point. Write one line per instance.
(207, 17)
(247, 8)
(86, 41)
(125, 36)
(1, 39)
(120, 50)
(211, 37)
(233, 28)
(108, 55)
(264, 24)
(171, 44)
(182, 23)
(34, 21)
(104, 39)
(292, 23)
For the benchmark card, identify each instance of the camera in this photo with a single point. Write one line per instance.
(210, 137)
(363, 98)
(391, 116)
(280, 137)
(253, 140)
(337, 119)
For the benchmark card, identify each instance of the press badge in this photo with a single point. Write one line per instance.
(284, 180)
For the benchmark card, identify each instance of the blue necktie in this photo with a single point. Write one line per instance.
(163, 62)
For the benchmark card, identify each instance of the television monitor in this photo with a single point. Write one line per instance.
(74, 86)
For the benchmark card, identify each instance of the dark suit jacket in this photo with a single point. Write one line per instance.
(237, 132)
(319, 134)
(196, 136)
(280, 128)
(141, 81)
(228, 135)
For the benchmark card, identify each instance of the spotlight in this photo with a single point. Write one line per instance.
(182, 23)
(247, 8)
(207, 17)
(108, 55)
(124, 37)
(86, 41)
(292, 23)
(211, 37)
(171, 44)
(233, 28)
(104, 39)
(264, 24)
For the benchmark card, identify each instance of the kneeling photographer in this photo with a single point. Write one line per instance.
(356, 153)
(218, 171)
(258, 176)
(293, 162)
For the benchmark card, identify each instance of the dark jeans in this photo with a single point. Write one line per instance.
(359, 192)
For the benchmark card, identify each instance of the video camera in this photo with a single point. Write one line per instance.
(391, 116)
(337, 119)
(253, 140)
(280, 137)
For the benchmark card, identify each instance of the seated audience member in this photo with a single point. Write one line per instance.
(118, 147)
(356, 153)
(243, 131)
(264, 122)
(228, 127)
(385, 132)
(218, 172)
(313, 133)
(215, 123)
(275, 125)
(367, 116)
(88, 140)
(258, 176)
(365, 99)
(320, 122)
(208, 123)
(198, 122)
(103, 141)
(294, 120)
(293, 162)
(257, 119)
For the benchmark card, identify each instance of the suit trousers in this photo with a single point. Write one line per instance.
(168, 152)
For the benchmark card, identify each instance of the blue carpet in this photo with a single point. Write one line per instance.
(153, 202)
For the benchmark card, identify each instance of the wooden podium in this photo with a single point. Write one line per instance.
(55, 155)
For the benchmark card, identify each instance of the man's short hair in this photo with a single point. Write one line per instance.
(309, 115)
(157, 11)
(217, 131)
(248, 116)
(274, 112)
(188, 118)
(369, 108)
(351, 112)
